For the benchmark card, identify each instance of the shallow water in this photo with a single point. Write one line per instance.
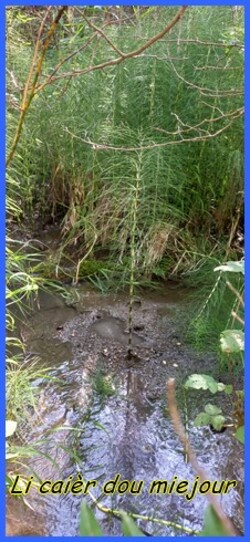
(128, 433)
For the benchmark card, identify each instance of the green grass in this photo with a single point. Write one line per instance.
(103, 384)
(210, 312)
(22, 397)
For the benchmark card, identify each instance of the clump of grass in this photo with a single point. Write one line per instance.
(21, 395)
(211, 313)
(103, 384)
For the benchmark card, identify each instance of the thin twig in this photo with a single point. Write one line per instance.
(115, 61)
(200, 42)
(234, 114)
(74, 53)
(100, 31)
(238, 295)
(100, 146)
(237, 317)
(29, 93)
(207, 91)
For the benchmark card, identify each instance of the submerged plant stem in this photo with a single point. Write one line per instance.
(118, 513)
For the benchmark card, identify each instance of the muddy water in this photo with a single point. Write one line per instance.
(126, 430)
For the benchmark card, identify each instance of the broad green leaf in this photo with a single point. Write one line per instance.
(129, 528)
(232, 267)
(11, 426)
(217, 422)
(212, 410)
(232, 341)
(240, 434)
(202, 382)
(212, 524)
(202, 419)
(89, 526)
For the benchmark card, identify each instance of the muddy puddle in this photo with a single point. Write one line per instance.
(101, 415)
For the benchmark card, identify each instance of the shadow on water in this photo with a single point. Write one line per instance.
(102, 416)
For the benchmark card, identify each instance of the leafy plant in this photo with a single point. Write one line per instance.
(212, 416)
(206, 382)
(231, 343)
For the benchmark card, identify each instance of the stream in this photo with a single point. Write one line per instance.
(101, 415)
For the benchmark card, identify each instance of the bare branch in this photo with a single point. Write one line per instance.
(99, 31)
(224, 68)
(74, 53)
(207, 91)
(234, 114)
(100, 146)
(200, 42)
(236, 293)
(237, 317)
(115, 61)
(36, 67)
(34, 60)
(58, 66)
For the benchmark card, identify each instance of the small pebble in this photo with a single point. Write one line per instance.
(164, 362)
(175, 365)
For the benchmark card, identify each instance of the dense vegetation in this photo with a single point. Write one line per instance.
(165, 106)
(129, 140)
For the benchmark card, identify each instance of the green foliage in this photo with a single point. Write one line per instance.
(232, 341)
(103, 384)
(157, 209)
(88, 523)
(212, 416)
(182, 190)
(206, 382)
(21, 395)
(129, 528)
(212, 524)
(213, 311)
(240, 434)
(210, 319)
(89, 526)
